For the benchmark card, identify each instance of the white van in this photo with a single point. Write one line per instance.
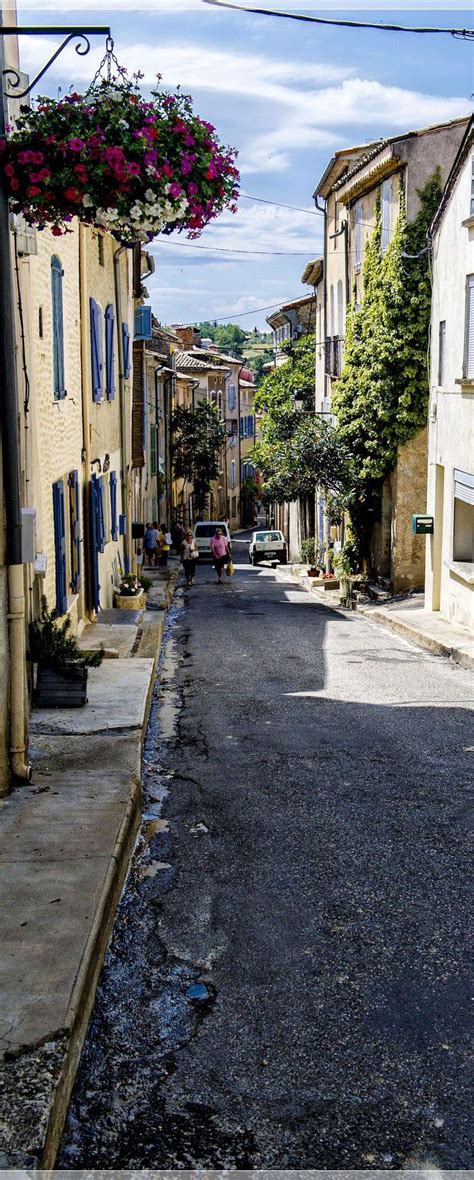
(204, 530)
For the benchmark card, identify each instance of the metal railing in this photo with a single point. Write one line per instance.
(334, 347)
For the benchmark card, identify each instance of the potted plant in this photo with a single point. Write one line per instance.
(342, 568)
(130, 594)
(111, 158)
(308, 555)
(62, 668)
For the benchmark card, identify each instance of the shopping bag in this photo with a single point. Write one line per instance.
(230, 569)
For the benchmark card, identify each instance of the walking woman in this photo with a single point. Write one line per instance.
(220, 551)
(189, 554)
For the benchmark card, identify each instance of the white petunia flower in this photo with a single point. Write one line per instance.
(87, 200)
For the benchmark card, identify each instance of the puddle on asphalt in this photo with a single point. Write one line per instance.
(169, 702)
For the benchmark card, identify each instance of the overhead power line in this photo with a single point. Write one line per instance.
(237, 315)
(298, 208)
(223, 250)
(465, 34)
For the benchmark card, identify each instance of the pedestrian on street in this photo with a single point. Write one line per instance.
(155, 543)
(148, 543)
(177, 534)
(220, 551)
(189, 554)
(165, 545)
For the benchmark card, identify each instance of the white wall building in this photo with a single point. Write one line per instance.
(450, 499)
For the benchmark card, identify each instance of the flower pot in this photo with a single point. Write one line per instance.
(313, 573)
(61, 689)
(130, 601)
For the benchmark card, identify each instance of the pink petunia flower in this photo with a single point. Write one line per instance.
(76, 145)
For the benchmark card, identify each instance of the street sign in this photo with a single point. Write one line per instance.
(422, 524)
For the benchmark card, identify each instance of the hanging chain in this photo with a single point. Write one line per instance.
(108, 60)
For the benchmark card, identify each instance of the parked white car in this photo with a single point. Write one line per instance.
(204, 530)
(267, 544)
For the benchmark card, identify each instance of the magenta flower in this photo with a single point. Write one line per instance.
(76, 145)
(175, 189)
(133, 169)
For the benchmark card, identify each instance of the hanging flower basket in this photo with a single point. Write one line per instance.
(133, 167)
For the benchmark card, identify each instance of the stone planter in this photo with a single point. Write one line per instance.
(130, 601)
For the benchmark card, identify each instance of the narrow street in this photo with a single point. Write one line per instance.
(302, 856)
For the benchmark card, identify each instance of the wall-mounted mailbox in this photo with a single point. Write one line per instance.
(28, 535)
(422, 524)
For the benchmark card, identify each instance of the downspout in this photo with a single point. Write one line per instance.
(157, 447)
(21, 768)
(123, 410)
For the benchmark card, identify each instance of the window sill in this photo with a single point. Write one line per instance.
(466, 383)
(463, 570)
(469, 222)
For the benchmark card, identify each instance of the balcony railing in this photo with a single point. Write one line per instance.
(334, 351)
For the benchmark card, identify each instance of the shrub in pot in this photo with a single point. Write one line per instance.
(62, 668)
(130, 594)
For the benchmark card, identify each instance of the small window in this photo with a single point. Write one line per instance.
(153, 450)
(100, 247)
(40, 323)
(358, 235)
(58, 328)
(472, 186)
(469, 330)
(442, 352)
(386, 199)
(232, 476)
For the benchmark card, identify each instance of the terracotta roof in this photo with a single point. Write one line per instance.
(187, 360)
(220, 356)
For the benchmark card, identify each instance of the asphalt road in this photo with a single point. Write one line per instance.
(303, 855)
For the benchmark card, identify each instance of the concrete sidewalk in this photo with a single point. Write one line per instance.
(65, 846)
(406, 616)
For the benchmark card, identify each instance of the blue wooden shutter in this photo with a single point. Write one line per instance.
(109, 352)
(126, 350)
(251, 425)
(58, 327)
(60, 546)
(143, 323)
(100, 515)
(241, 428)
(75, 520)
(96, 350)
(94, 539)
(113, 506)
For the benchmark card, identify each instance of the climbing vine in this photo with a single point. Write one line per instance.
(381, 398)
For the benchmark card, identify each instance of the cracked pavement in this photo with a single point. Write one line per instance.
(303, 855)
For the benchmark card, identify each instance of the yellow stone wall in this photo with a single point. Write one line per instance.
(407, 567)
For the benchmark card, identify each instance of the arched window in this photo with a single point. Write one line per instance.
(58, 327)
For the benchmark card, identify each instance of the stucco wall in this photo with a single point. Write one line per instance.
(451, 418)
(4, 650)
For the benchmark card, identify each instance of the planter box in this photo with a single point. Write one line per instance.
(61, 690)
(130, 601)
(330, 583)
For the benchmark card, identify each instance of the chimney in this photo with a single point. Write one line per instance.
(188, 337)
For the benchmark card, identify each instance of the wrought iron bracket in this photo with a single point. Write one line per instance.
(82, 32)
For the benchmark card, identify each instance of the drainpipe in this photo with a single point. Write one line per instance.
(123, 410)
(11, 489)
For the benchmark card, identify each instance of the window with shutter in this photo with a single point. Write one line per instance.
(232, 477)
(250, 427)
(386, 200)
(109, 352)
(60, 546)
(75, 530)
(241, 428)
(97, 360)
(153, 450)
(101, 514)
(441, 352)
(58, 328)
(357, 237)
(126, 350)
(469, 330)
(113, 506)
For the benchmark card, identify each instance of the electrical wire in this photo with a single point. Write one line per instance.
(223, 250)
(279, 205)
(254, 310)
(465, 34)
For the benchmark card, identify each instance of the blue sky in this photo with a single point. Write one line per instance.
(287, 95)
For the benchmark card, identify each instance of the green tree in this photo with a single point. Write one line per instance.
(197, 440)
